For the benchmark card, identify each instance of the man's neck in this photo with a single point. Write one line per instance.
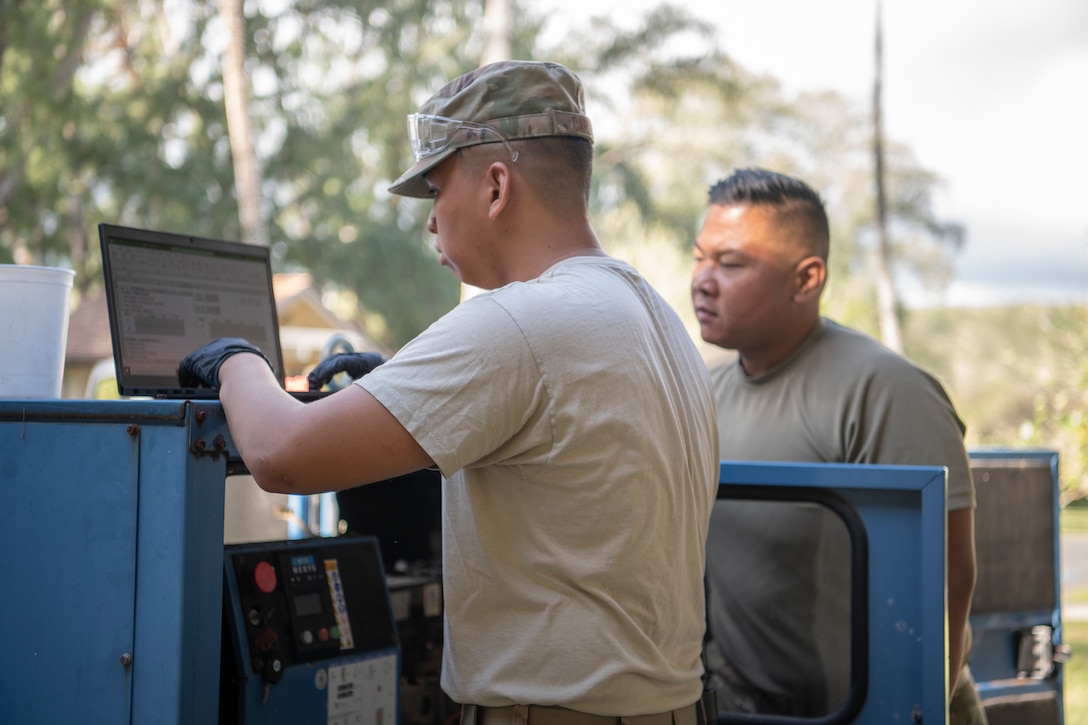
(549, 244)
(762, 361)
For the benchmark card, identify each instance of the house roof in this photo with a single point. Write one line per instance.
(89, 329)
(299, 303)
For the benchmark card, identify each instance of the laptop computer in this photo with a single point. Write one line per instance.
(168, 294)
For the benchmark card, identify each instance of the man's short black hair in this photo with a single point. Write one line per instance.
(558, 168)
(792, 200)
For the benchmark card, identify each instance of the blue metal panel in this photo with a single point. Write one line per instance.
(123, 555)
(1049, 459)
(179, 590)
(111, 514)
(996, 633)
(68, 523)
(303, 695)
(903, 511)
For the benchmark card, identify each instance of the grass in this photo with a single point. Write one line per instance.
(1074, 519)
(1076, 674)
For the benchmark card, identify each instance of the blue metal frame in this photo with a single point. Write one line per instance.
(903, 510)
(112, 518)
(111, 514)
(62, 553)
(177, 592)
(992, 632)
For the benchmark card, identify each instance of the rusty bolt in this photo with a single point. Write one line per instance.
(133, 430)
(126, 659)
(201, 416)
(199, 444)
(220, 443)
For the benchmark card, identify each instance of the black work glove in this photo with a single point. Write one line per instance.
(355, 364)
(200, 368)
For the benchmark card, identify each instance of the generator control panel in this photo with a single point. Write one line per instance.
(309, 634)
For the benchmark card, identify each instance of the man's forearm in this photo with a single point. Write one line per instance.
(961, 586)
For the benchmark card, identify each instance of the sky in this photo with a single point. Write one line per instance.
(991, 95)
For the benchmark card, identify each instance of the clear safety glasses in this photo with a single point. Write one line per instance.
(431, 134)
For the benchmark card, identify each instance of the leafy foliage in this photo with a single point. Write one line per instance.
(113, 111)
(133, 131)
(1016, 374)
(333, 84)
(123, 133)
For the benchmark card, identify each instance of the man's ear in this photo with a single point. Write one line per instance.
(811, 274)
(498, 185)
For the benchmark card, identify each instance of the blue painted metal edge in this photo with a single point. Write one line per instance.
(1049, 458)
(857, 483)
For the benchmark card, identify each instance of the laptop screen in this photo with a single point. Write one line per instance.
(169, 294)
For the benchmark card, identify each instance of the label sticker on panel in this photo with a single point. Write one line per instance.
(339, 605)
(363, 693)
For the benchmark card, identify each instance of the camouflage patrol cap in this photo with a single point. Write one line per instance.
(517, 99)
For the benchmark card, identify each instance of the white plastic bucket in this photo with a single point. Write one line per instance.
(33, 329)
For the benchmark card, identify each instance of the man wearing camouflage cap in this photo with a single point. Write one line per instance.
(567, 409)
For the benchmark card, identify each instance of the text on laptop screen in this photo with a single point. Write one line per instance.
(171, 299)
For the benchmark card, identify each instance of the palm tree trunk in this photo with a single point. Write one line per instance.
(247, 174)
(886, 298)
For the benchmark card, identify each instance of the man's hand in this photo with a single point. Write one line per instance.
(355, 364)
(200, 368)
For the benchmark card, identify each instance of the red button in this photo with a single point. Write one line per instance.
(264, 576)
(323, 634)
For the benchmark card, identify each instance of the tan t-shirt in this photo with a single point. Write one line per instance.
(574, 422)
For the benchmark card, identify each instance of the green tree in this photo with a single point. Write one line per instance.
(39, 208)
(1060, 407)
(685, 115)
(388, 59)
(135, 132)
(1016, 375)
(333, 84)
(102, 121)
